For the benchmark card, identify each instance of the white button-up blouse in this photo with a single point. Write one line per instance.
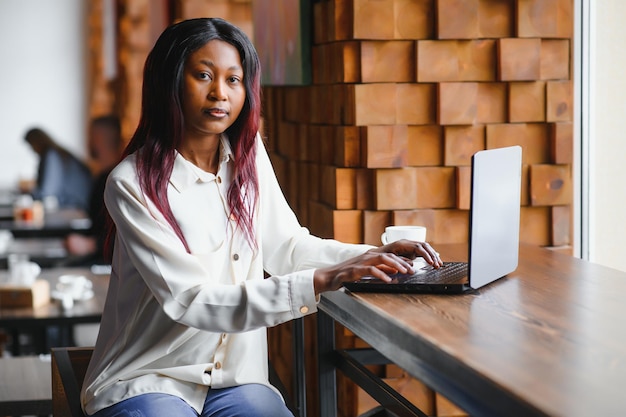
(178, 323)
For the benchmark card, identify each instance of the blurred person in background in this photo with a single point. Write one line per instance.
(61, 176)
(105, 149)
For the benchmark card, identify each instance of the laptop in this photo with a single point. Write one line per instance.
(493, 232)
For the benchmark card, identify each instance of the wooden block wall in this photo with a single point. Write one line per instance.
(395, 112)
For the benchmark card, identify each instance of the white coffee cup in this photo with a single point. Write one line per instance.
(22, 271)
(393, 233)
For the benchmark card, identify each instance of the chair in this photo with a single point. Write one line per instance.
(69, 365)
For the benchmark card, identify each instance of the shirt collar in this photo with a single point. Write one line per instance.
(185, 173)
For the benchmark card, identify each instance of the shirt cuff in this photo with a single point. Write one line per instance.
(302, 294)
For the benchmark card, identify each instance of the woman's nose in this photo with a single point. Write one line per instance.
(218, 91)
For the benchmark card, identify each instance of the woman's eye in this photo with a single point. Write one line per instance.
(234, 80)
(204, 76)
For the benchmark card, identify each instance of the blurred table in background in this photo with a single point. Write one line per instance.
(36, 322)
(57, 223)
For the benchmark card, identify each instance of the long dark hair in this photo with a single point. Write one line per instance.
(161, 125)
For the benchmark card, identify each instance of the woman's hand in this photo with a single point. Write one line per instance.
(378, 263)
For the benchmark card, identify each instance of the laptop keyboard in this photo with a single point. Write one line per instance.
(449, 273)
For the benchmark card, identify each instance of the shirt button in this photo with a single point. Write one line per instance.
(236, 257)
(219, 180)
(304, 309)
(224, 336)
(218, 365)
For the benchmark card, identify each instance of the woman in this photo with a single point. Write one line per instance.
(199, 217)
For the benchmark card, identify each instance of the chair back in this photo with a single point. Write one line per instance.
(69, 365)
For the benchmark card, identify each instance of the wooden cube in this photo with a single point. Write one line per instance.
(496, 19)
(370, 104)
(414, 19)
(347, 146)
(560, 101)
(425, 145)
(545, 18)
(344, 225)
(463, 187)
(492, 103)
(387, 61)
(437, 61)
(417, 217)
(384, 146)
(519, 59)
(527, 101)
(374, 223)
(555, 59)
(457, 19)
(435, 187)
(338, 187)
(367, 18)
(477, 60)
(395, 188)
(443, 225)
(532, 137)
(365, 193)
(461, 142)
(561, 225)
(550, 185)
(416, 104)
(562, 142)
(457, 104)
(536, 225)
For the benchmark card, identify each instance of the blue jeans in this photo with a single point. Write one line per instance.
(249, 400)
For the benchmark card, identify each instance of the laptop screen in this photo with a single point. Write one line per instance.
(495, 214)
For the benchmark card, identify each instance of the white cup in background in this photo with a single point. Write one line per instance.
(393, 233)
(22, 271)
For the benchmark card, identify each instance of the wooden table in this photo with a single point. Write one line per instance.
(25, 386)
(36, 320)
(548, 340)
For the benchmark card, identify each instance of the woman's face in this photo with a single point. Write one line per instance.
(214, 92)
